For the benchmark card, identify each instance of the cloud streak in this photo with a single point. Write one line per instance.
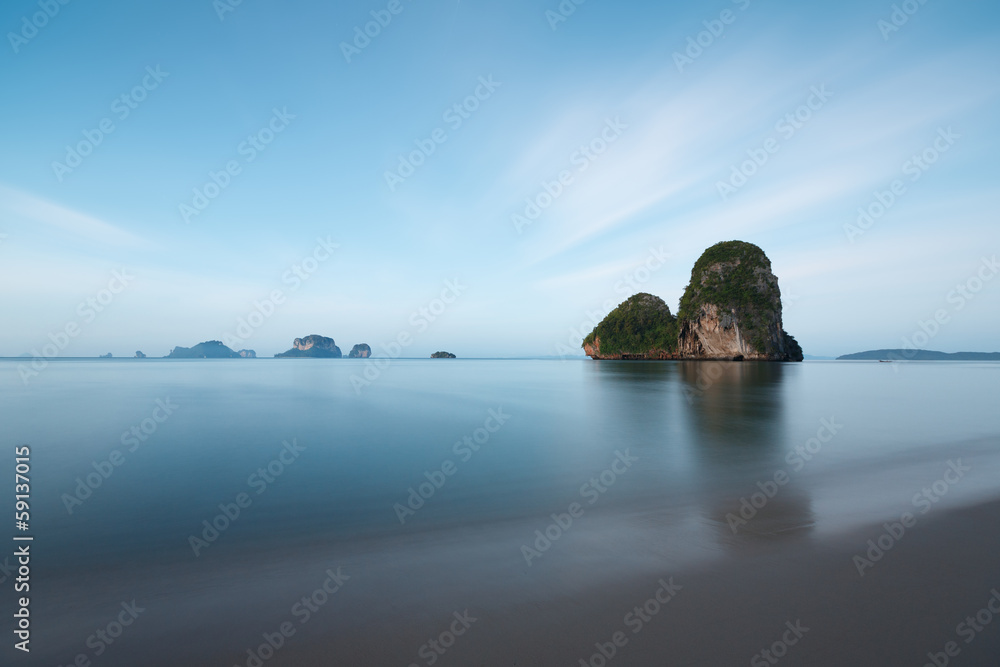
(20, 207)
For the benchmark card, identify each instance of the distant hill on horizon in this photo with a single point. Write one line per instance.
(211, 349)
(919, 355)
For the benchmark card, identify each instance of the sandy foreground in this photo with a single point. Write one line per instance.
(798, 596)
(908, 605)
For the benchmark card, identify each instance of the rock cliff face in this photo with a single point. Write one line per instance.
(360, 351)
(640, 328)
(732, 308)
(313, 346)
(247, 354)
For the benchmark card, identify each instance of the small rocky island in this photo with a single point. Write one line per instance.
(247, 354)
(731, 310)
(443, 355)
(360, 351)
(212, 349)
(139, 354)
(640, 328)
(314, 347)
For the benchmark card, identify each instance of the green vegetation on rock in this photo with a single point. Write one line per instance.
(640, 325)
(730, 275)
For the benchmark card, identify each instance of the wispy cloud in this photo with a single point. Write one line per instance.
(682, 141)
(19, 207)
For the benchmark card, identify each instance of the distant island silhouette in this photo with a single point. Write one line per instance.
(313, 346)
(919, 355)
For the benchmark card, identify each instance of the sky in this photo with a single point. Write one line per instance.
(490, 178)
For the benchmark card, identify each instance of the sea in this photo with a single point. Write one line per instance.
(249, 512)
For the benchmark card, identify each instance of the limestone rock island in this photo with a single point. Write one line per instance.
(640, 328)
(314, 346)
(731, 309)
(211, 349)
(443, 355)
(360, 351)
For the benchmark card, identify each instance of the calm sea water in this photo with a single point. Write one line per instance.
(658, 458)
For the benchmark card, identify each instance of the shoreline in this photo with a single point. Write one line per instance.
(722, 611)
(909, 604)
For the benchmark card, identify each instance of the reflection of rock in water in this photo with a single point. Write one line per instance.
(640, 393)
(734, 404)
(737, 421)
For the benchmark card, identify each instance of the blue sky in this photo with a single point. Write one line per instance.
(662, 132)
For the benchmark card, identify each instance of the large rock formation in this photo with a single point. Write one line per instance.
(313, 346)
(732, 308)
(640, 328)
(211, 349)
(443, 355)
(247, 354)
(360, 351)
